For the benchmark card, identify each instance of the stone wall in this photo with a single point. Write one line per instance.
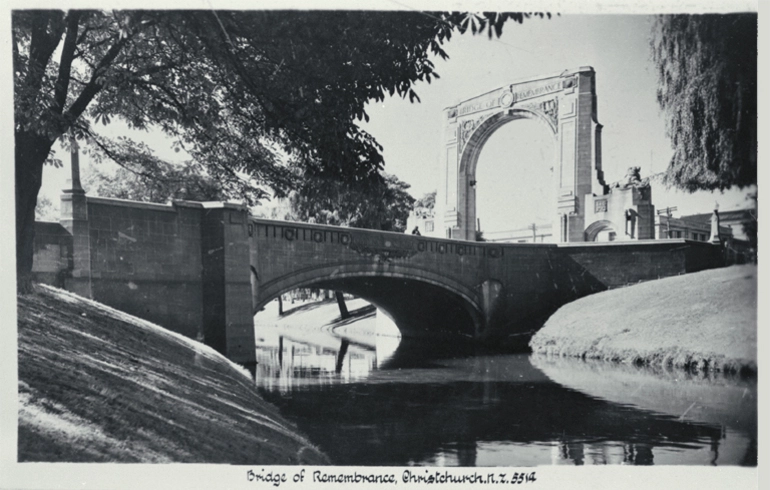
(226, 300)
(183, 266)
(52, 260)
(146, 261)
(615, 264)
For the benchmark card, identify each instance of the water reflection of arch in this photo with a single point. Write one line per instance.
(472, 150)
(378, 286)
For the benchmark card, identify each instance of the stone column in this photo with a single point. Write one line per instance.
(228, 318)
(74, 218)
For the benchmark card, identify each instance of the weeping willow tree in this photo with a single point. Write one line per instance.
(707, 89)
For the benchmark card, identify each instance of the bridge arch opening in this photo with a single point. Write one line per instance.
(514, 196)
(418, 307)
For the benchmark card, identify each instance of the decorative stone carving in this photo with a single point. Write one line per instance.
(600, 206)
(549, 108)
(506, 99)
(382, 251)
(382, 254)
(631, 179)
(465, 132)
(468, 127)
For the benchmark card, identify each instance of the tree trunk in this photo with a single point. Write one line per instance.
(30, 154)
(341, 303)
(341, 356)
(280, 304)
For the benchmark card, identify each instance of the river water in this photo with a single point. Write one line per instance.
(377, 401)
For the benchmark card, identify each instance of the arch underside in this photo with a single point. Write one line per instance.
(420, 303)
(596, 227)
(484, 131)
(470, 157)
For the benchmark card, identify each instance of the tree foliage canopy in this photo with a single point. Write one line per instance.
(381, 204)
(427, 201)
(237, 90)
(167, 182)
(707, 88)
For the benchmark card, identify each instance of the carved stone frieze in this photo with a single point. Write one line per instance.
(467, 128)
(383, 250)
(382, 254)
(549, 108)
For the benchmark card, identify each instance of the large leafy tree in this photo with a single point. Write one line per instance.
(378, 204)
(427, 201)
(188, 182)
(707, 76)
(238, 90)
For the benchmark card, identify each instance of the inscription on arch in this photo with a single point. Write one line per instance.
(548, 109)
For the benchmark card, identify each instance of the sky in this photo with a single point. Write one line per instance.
(514, 165)
(514, 168)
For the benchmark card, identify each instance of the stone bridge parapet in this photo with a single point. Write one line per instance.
(204, 269)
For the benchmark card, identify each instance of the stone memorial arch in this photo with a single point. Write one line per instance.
(566, 104)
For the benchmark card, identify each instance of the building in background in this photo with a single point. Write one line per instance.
(534, 233)
(735, 220)
(694, 227)
(423, 219)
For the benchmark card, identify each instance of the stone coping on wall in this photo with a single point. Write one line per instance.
(112, 201)
(638, 243)
(625, 243)
(209, 205)
(453, 241)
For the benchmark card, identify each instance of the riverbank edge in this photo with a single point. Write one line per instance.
(98, 385)
(701, 322)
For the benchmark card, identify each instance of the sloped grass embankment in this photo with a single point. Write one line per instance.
(97, 385)
(705, 321)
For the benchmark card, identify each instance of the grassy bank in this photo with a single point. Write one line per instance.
(98, 385)
(702, 321)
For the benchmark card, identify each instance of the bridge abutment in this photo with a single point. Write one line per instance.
(228, 321)
(180, 266)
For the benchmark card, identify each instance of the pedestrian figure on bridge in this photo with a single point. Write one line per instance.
(416, 231)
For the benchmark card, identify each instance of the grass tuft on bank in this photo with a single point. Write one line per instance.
(705, 321)
(98, 385)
